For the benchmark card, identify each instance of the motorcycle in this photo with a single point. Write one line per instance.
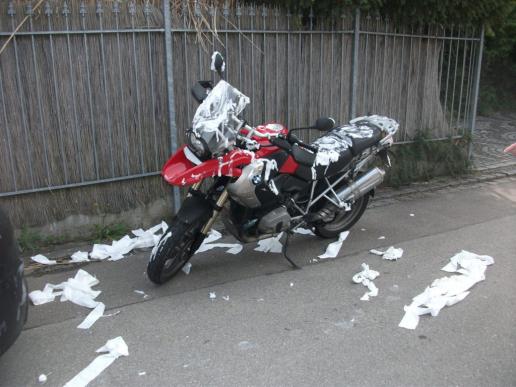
(265, 179)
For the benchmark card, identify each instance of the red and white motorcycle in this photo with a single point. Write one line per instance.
(265, 178)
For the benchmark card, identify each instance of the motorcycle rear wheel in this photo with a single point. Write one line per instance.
(173, 251)
(344, 220)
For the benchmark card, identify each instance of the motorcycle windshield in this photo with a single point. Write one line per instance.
(215, 121)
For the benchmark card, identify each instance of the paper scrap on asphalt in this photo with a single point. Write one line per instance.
(187, 267)
(381, 237)
(213, 235)
(79, 256)
(120, 248)
(366, 277)
(304, 231)
(232, 248)
(40, 297)
(412, 215)
(333, 248)
(447, 291)
(115, 348)
(94, 315)
(142, 373)
(213, 295)
(270, 245)
(43, 260)
(225, 298)
(77, 290)
(391, 254)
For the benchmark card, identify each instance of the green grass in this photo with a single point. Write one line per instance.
(32, 241)
(425, 159)
(108, 232)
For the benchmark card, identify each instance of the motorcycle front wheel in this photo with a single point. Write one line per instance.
(173, 250)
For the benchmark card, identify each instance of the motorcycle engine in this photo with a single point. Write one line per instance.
(255, 187)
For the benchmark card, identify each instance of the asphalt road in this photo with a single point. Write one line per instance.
(300, 327)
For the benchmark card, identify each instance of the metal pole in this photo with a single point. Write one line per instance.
(354, 64)
(170, 92)
(475, 92)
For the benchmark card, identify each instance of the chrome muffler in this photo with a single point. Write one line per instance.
(362, 185)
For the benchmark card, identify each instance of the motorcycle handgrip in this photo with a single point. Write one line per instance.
(293, 139)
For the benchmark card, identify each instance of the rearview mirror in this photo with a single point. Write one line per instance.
(324, 124)
(217, 63)
(201, 90)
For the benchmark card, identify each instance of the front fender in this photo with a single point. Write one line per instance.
(180, 171)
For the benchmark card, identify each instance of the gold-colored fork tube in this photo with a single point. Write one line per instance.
(220, 203)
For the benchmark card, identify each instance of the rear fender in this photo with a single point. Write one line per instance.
(180, 171)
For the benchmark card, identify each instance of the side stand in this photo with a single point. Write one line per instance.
(284, 250)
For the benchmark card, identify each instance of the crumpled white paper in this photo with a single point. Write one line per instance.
(77, 290)
(333, 248)
(186, 268)
(148, 238)
(40, 297)
(118, 249)
(366, 277)
(80, 256)
(270, 245)
(303, 231)
(94, 315)
(447, 291)
(213, 235)
(391, 254)
(43, 260)
(115, 347)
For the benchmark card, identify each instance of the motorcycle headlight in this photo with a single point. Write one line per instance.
(198, 146)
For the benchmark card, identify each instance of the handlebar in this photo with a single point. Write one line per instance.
(279, 140)
(293, 139)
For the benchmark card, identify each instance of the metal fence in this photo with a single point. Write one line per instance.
(94, 92)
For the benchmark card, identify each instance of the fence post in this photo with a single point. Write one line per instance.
(476, 87)
(354, 64)
(170, 92)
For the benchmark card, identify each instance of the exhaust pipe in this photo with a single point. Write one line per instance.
(362, 185)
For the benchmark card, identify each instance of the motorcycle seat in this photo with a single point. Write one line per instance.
(363, 135)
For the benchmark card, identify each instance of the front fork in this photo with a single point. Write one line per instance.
(219, 205)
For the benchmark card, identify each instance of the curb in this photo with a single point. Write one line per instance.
(383, 197)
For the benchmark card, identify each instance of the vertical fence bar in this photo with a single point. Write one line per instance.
(354, 64)
(264, 54)
(475, 91)
(366, 49)
(99, 10)
(462, 81)
(170, 90)
(132, 13)
(116, 12)
(298, 107)
(28, 147)
(289, 15)
(252, 14)
(82, 12)
(467, 110)
(48, 13)
(30, 13)
(8, 134)
(147, 11)
(341, 96)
